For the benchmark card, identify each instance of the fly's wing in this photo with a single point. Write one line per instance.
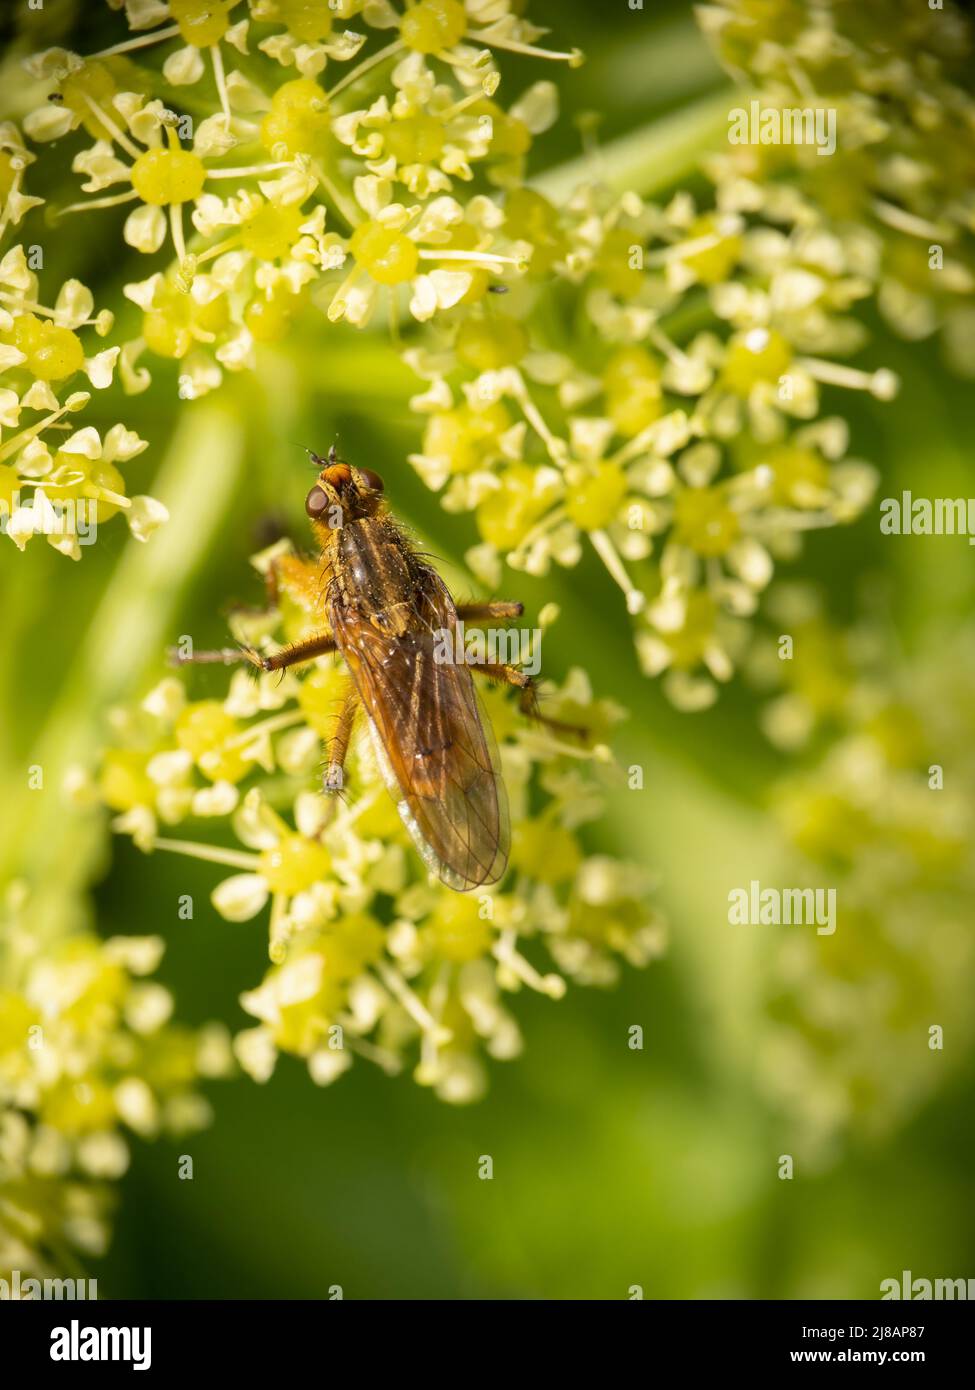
(437, 753)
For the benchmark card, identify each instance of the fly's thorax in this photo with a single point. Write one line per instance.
(375, 573)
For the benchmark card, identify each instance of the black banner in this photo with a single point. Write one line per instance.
(166, 1339)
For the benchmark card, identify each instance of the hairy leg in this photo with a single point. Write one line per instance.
(528, 699)
(491, 608)
(300, 579)
(339, 739)
(306, 650)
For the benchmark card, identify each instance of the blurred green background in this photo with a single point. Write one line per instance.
(612, 1167)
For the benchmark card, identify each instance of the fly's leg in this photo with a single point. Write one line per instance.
(528, 699)
(339, 739)
(492, 608)
(297, 578)
(306, 650)
(301, 581)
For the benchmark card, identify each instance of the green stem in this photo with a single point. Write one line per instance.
(651, 159)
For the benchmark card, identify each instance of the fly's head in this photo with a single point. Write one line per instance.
(342, 494)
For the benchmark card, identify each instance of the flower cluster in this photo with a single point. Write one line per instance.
(369, 956)
(884, 815)
(61, 487)
(87, 1052)
(675, 424)
(898, 80)
(300, 190)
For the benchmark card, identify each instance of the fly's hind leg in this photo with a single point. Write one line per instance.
(506, 674)
(491, 608)
(503, 610)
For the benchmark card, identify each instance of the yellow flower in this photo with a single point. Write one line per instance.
(369, 956)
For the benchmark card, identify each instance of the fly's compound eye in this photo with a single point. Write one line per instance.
(316, 503)
(371, 480)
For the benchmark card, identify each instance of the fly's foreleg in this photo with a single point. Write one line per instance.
(320, 645)
(297, 578)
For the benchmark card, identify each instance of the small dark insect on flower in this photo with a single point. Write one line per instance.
(384, 609)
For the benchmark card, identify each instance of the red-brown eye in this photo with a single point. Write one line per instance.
(316, 503)
(371, 480)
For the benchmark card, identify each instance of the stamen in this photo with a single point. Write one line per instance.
(449, 112)
(18, 178)
(557, 449)
(507, 954)
(280, 929)
(575, 58)
(547, 742)
(428, 1070)
(212, 854)
(176, 229)
(28, 304)
(800, 81)
(411, 1002)
(143, 41)
(250, 170)
(220, 78)
(549, 520)
(23, 437)
(344, 204)
(110, 125)
(639, 443)
(882, 384)
(116, 498)
(775, 521)
(903, 221)
(114, 201)
(338, 306)
(265, 726)
(636, 600)
(365, 66)
(381, 1056)
(666, 345)
(679, 249)
(464, 64)
(214, 251)
(432, 254)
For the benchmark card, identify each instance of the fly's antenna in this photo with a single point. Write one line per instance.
(317, 460)
(332, 455)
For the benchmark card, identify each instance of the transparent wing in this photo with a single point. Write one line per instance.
(436, 751)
